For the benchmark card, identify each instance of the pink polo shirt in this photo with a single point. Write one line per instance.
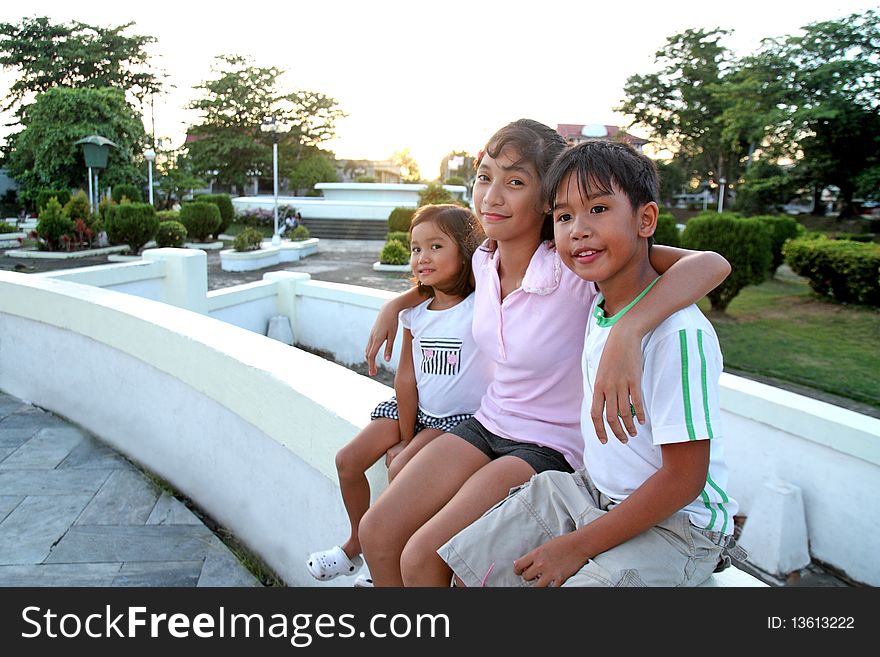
(535, 338)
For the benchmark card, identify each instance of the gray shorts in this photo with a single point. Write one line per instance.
(539, 457)
(388, 409)
(672, 553)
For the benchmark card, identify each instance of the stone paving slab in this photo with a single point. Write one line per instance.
(52, 482)
(165, 573)
(4, 452)
(126, 498)
(171, 511)
(46, 449)
(63, 574)
(32, 418)
(29, 532)
(94, 455)
(7, 504)
(221, 568)
(16, 437)
(97, 543)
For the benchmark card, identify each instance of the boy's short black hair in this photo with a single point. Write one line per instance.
(599, 164)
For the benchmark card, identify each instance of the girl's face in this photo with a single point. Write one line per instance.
(507, 197)
(435, 257)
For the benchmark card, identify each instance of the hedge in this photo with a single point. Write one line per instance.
(780, 228)
(667, 230)
(170, 233)
(224, 204)
(744, 242)
(43, 196)
(134, 224)
(125, 190)
(394, 253)
(400, 219)
(250, 239)
(201, 219)
(400, 236)
(842, 270)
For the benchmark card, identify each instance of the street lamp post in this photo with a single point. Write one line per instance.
(272, 126)
(150, 155)
(723, 182)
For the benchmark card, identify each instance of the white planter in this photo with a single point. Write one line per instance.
(205, 246)
(294, 250)
(10, 240)
(232, 260)
(378, 266)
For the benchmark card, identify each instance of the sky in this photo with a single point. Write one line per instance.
(432, 77)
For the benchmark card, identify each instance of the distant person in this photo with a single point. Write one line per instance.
(291, 222)
(530, 312)
(654, 511)
(439, 381)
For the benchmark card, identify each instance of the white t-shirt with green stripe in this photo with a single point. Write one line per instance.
(681, 366)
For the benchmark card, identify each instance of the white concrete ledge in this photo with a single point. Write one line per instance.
(378, 266)
(36, 254)
(232, 260)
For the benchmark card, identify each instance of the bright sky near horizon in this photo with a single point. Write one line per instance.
(431, 77)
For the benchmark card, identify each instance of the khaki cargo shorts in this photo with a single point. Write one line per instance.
(673, 553)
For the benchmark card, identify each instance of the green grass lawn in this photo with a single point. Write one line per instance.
(234, 229)
(780, 330)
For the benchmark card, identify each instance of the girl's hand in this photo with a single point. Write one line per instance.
(618, 388)
(552, 563)
(384, 331)
(393, 451)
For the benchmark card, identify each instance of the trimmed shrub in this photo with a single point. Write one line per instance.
(780, 228)
(744, 242)
(400, 219)
(134, 224)
(667, 232)
(250, 239)
(400, 236)
(842, 270)
(201, 219)
(299, 234)
(168, 215)
(170, 233)
(78, 207)
(53, 226)
(127, 191)
(224, 204)
(43, 196)
(7, 228)
(435, 194)
(365, 179)
(394, 253)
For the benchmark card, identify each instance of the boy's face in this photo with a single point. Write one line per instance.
(598, 234)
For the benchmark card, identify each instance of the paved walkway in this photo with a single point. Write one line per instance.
(73, 512)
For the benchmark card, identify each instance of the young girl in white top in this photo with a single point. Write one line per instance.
(440, 379)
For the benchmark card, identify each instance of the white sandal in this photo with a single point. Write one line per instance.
(327, 564)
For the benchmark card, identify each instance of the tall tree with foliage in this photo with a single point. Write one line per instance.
(228, 143)
(680, 103)
(814, 98)
(45, 55)
(409, 168)
(44, 154)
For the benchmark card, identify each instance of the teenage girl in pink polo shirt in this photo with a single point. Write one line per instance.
(530, 316)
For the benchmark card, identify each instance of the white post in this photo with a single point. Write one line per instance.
(150, 179)
(723, 182)
(276, 240)
(94, 206)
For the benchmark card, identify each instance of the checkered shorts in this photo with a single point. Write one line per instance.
(423, 420)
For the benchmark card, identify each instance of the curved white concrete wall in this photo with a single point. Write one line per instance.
(832, 454)
(241, 423)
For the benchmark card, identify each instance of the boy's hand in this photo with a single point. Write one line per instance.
(618, 386)
(383, 331)
(552, 563)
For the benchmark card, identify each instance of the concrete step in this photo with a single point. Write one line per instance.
(347, 229)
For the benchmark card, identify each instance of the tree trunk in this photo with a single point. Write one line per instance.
(818, 208)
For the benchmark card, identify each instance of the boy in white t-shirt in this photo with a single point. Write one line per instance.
(652, 510)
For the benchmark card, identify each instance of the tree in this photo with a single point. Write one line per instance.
(681, 102)
(765, 186)
(44, 153)
(459, 163)
(409, 169)
(228, 143)
(672, 180)
(175, 178)
(814, 98)
(305, 173)
(47, 55)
